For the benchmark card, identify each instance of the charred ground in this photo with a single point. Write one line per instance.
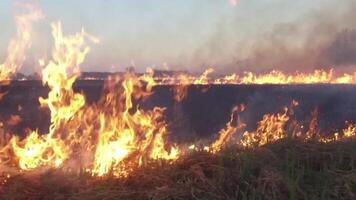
(203, 105)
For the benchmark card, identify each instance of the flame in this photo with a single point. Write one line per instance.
(350, 131)
(226, 134)
(22, 41)
(203, 79)
(14, 60)
(313, 126)
(270, 129)
(273, 127)
(181, 89)
(120, 135)
(273, 77)
(181, 81)
(128, 138)
(115, 135)
(35, 150)
(226, 80)
(60, 74)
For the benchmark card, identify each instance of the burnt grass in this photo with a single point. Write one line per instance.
(204, 111)
(287, 169)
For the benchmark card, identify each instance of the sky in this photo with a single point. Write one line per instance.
(178, 34)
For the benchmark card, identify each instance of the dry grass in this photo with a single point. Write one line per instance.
(285, 170)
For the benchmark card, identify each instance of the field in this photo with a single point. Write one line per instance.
(285, 169)
(203, 105)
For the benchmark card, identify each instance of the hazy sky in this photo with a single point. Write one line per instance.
(175, 34)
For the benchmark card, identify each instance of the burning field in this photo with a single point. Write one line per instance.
(273, 135)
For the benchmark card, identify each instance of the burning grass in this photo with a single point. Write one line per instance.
(114, 149)
(281, 170)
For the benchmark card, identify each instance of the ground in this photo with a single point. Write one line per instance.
(287, 169)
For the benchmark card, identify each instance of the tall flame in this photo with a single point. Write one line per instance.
(115, 135)
(68, 53)
(227, 133)
(17, 46)
(15, 59)
(118, 135)
(128, 136)
(60, 74)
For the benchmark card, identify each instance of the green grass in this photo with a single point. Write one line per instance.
(287, 169)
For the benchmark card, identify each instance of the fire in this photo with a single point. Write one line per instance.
(181, 82)
(22, 41)
(273, 77)
(49, 149)
(350, 131)
(270, 129)
(346, 133)
(204, 78)
(226, 134)
(130, 136)
(273, 127)
(14, 60)
(313, 126)
(181, 89)
(278, 77)
(119, 135)
(115, 135)
(60, 74)
(36, 151)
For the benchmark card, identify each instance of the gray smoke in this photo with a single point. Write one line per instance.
(324, 38)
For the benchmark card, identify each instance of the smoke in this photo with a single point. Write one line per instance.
(323, 38)
(243, 36)
(342, 50)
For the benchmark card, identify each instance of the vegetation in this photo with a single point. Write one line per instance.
(288, 169)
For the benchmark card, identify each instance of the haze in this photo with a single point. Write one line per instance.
(230, 36)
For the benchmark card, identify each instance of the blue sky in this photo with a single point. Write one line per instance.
(172, 34)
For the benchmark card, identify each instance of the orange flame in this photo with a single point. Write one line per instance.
(119, 135)
(22, 41)
(273, 77)
(114, 135)
(181, 81)
(226, 134)
(181, 90)
(129, 137)
(35, 151)
(17, 46)
(270, 129)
